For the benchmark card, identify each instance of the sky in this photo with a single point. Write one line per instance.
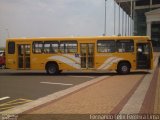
(55, 18)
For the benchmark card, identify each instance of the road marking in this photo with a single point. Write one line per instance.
(25, 99)
(55, 83)
(13, 103)
(16, 103)
(83, 76)
(5, 108)
(3, 98)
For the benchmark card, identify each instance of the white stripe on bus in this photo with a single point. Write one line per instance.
(107, 62)
(66, 61)
(77, 59)
(110, 64)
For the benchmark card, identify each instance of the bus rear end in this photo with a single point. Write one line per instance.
(18, 54)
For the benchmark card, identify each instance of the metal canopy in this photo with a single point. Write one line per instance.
(125, 5)
(128, 5)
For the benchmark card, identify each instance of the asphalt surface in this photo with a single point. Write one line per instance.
(19, 87)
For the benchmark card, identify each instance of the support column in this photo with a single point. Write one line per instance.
(131, 22)
(119, 32)
(149, 28)
(122, 22)
(114, 18)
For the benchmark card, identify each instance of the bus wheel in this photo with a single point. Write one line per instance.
(123, 68)
(52, 69)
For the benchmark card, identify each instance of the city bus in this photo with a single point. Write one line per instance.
(101, 53)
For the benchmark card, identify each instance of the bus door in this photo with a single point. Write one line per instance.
(144, 56)
(87, 55)
(24, 56)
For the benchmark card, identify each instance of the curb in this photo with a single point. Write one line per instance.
(149, 100)
(49, 98)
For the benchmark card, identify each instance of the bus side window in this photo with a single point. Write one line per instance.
(106, 46)
(54, 47)
(38, 47)
(46, 47)
(68, 46)
(125, 46)
(62, 47)
(51, 47)
(11, 47)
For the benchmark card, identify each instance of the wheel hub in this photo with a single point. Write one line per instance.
(124, 68)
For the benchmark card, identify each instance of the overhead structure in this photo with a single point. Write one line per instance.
(146, 17)
(125, 5)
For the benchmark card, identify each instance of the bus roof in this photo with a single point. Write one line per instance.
(88, 37)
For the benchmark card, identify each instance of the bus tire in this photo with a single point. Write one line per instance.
(123, 68)
(52, 69)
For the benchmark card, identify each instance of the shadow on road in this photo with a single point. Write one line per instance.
(5, 73)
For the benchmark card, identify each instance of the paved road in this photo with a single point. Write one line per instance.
(19, 87)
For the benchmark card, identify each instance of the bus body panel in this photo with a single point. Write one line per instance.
(11, 59)
(64, 61)
(86, 57)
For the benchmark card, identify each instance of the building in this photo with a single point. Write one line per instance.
(146, 17)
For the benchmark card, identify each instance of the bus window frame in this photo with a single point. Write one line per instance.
(125, 40)
(13, 50)
(69, 41)
(33, 47)
(50, 46)
(107, 52)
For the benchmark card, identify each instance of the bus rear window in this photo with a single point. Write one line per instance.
(11, 47)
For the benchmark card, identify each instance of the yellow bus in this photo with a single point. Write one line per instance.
(106, 53)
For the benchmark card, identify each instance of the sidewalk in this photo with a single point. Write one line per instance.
(98, 98)
(157, 98)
